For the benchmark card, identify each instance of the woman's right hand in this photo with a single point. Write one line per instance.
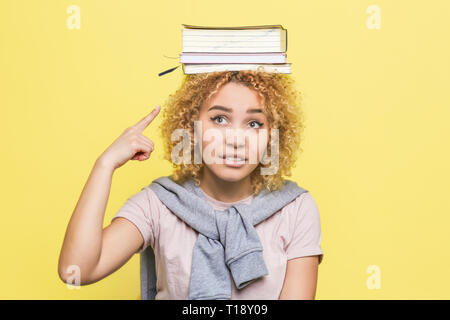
(131, 144)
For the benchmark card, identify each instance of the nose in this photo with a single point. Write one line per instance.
(234, 145)
(235, 140)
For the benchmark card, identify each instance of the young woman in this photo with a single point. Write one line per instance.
(222, 102)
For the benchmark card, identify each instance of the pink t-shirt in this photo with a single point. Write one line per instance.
(292, 232)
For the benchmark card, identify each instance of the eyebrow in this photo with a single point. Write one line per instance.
(230, 110)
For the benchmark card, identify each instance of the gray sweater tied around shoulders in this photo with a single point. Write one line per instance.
(227, 241)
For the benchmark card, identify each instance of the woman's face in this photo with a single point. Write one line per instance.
(234, 112)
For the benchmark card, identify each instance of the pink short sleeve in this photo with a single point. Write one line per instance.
(305, 230)
(141, 209)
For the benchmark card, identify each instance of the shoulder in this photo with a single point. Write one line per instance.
(157, 207)
(145, 200)
(302, 207)
(151, 196)
(144, 196)
(304, 200)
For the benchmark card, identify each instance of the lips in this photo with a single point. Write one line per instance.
(235, 157)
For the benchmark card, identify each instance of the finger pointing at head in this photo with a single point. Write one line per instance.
(141, 125)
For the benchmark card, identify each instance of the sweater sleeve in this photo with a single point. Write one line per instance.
(139, 209)
(305, 231)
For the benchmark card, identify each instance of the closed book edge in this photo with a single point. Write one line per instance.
(230, 58)
(218, 44)
(202, 68)
(240, 49)
(267, 26)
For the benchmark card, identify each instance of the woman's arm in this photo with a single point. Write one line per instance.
(301, 279)
(96, 252)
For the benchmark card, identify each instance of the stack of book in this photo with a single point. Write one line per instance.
(209, 49)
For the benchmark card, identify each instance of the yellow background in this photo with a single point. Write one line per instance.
(376, 153)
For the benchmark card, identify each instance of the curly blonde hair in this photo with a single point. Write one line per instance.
(281, 104)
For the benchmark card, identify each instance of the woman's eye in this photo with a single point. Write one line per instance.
(217, 117)
(258, 123)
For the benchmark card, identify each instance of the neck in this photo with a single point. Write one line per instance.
(225, 191)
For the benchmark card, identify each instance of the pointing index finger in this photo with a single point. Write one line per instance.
(141, 125)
